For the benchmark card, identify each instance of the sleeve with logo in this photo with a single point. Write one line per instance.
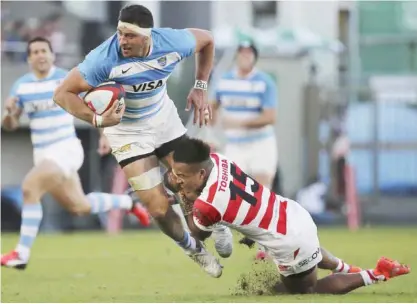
(181, 41)
(205, 215)
(270, 96)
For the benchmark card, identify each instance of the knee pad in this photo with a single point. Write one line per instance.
(147, 180)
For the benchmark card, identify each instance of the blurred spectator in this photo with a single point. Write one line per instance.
(15, 31)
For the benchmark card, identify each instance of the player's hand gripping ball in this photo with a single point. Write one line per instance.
(102, 98)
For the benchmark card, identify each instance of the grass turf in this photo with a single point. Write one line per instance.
(148, 267)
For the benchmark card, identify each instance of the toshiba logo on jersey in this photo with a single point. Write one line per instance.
(225, 175)
(310, 259)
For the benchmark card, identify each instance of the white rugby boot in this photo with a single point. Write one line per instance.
(206, 260)
(223, 240)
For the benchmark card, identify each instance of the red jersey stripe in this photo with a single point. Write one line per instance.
(282, 220)
(266, 220)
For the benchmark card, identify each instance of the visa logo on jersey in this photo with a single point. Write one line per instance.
(148, 86)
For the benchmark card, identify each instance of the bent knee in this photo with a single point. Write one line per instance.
(157, 203)
(159, 207)
(31, 191)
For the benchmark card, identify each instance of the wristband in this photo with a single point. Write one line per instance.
(200, 84)
(97, 121)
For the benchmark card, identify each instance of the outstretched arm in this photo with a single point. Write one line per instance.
(204, 51)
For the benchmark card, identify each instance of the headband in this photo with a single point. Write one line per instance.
(134, 28)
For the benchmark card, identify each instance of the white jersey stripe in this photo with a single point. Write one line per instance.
(136, 68)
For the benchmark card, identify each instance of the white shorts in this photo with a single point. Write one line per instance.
(130, 139)
(67, 154)
(296, 251)
(255, 157)
(299, 250)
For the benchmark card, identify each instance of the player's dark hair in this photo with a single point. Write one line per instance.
(251, 45)
(38, 39)
(191, 151)
(136, 14)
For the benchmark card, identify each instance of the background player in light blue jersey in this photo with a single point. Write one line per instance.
(57, 151)
(147, 129)
(247, 99)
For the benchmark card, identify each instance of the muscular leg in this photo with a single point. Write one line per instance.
(45, 177)
(41, 179)
(155, 199)
(307, 283)
(340, 283)
(70, 195)
(36, 183)
(330, 262)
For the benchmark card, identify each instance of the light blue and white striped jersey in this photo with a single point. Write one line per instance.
(49, 123)
(144, 79)
(245, 98)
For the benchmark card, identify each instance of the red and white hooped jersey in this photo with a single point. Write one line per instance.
(234, 199)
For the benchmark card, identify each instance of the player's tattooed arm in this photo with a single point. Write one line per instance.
(66, 96)
(193, 214)
(195, 231)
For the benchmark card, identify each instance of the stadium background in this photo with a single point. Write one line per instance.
(347, 100)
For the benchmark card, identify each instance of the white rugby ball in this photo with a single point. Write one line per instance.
(101, 98)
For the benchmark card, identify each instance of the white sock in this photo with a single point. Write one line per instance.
(31, 220)
(178, 210)
(103, 202)
(342, 267)
(188, 243)
(370, 278)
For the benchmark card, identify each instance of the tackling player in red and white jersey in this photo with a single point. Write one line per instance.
(222, 193)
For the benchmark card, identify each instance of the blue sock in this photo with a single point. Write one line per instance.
(103, 202)
(31, 220)
(188, 242)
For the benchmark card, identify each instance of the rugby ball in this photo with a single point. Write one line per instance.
(102, 97)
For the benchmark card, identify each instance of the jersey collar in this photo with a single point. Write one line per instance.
(250, 75)
(50, 73)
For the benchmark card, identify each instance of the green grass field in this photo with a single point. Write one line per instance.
(148, 267)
